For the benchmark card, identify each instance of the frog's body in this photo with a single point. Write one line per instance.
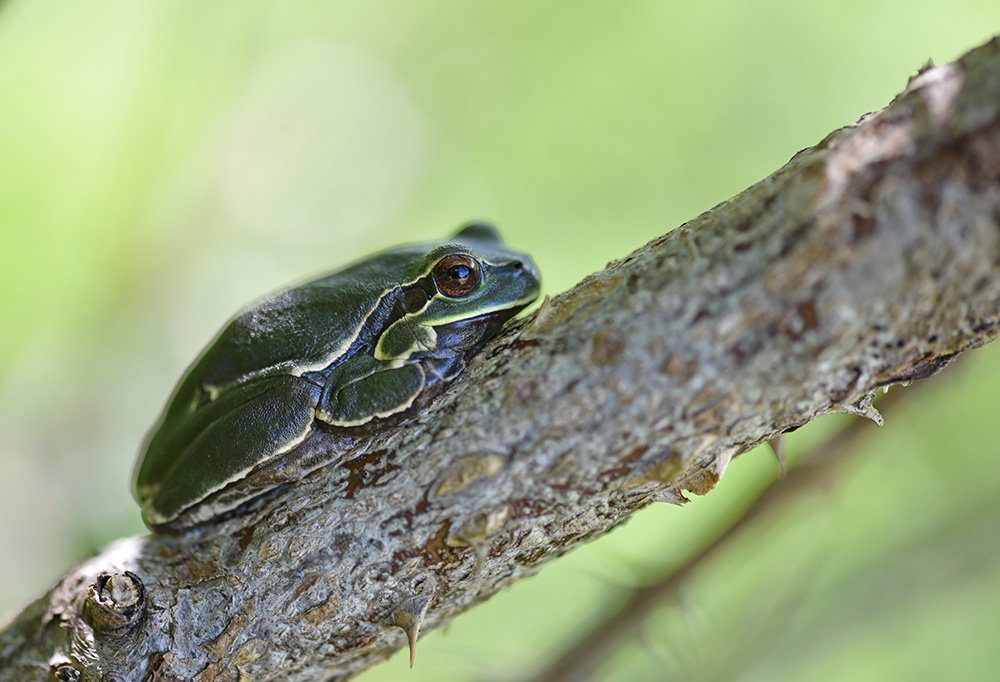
(348, 353)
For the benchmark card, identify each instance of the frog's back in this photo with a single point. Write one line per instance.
(295, 327)
(301, 326)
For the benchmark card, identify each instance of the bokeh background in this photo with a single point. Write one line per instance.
(162, 163)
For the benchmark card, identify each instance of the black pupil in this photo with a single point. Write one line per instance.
(459, 272)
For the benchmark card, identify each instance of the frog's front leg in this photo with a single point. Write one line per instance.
(364, 389)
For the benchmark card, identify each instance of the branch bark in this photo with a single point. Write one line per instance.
(813, 470)
(868, 260)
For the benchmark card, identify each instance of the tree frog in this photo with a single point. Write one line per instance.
(347, 354)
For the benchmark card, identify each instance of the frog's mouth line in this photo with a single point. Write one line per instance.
(490, 323)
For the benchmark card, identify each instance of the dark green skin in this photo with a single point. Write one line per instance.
(350, 353)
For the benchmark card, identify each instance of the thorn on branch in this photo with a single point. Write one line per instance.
(408, 616)
(777, 446)
(671, 495)
(861, 408)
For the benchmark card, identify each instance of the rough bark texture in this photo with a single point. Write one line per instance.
(869, 259)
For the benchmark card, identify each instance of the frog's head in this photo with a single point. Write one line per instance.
(476, 274)
(463, 291)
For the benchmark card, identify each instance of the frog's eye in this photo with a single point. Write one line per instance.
(457, 275)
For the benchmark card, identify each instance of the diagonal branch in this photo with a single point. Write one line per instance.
(869, 259)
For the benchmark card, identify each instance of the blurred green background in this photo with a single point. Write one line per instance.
(163, 163)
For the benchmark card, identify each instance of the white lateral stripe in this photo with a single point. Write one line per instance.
(159, 519)
(484, 311)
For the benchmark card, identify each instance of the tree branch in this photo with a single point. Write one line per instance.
(812, 471)
(869, 259)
